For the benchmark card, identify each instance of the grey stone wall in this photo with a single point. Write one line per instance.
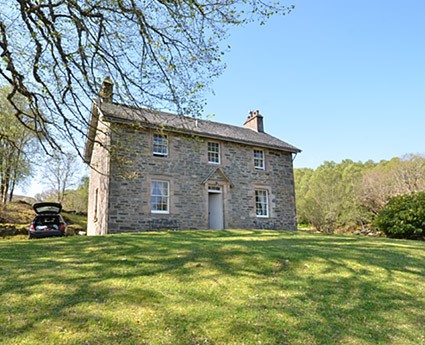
(188, 172)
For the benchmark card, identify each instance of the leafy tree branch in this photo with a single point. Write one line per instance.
(160, 54)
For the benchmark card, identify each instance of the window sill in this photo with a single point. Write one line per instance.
(160, 212)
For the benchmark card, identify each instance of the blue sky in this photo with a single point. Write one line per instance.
(338, 79)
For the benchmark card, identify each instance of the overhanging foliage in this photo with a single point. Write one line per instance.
(159, 54)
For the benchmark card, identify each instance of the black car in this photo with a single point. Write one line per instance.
(48, 221)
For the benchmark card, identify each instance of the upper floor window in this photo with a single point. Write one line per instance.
(160, 145)
(259, 159)
(213, 152)
(262, 202)
(160, 197)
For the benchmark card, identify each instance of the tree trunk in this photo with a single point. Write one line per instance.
(14, 175)
(6, 179)
(12, 188)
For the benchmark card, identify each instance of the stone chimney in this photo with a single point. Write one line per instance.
(254, 121)
(106, 90)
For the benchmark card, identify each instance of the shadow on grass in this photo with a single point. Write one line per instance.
(212, 287)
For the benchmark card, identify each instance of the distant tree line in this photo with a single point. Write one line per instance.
(71, 199)
(352, 194)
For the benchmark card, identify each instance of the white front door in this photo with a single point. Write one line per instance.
(215, 209)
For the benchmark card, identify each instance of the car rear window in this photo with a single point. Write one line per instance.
(48, 209)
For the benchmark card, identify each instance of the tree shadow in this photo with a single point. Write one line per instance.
(281, 286)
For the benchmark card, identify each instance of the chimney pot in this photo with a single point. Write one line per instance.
(106, 90)
(254, 121)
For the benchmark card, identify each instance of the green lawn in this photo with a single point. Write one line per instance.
(212, 287)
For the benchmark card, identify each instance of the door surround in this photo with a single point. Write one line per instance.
(215, 207)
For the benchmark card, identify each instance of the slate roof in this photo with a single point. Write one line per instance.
(204, 128)
(149, 118)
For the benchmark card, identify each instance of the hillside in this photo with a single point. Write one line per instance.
(16, 217)
(17, 212)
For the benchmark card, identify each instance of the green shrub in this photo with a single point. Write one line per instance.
(403, 217)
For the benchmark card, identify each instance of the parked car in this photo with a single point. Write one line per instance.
(48, 221)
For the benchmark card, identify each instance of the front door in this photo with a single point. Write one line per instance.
(215, 209)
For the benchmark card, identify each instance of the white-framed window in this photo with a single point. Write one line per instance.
(259, 160)
(160, 145)
(160, 197)
(262, 202)
(213, 152)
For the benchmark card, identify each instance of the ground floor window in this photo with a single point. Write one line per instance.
(262, 202)
(160, 197)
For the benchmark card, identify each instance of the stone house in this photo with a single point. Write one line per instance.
(153, 170)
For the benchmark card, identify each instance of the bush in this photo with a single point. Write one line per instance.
(403, 217)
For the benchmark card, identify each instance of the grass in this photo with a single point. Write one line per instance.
(212, 287)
